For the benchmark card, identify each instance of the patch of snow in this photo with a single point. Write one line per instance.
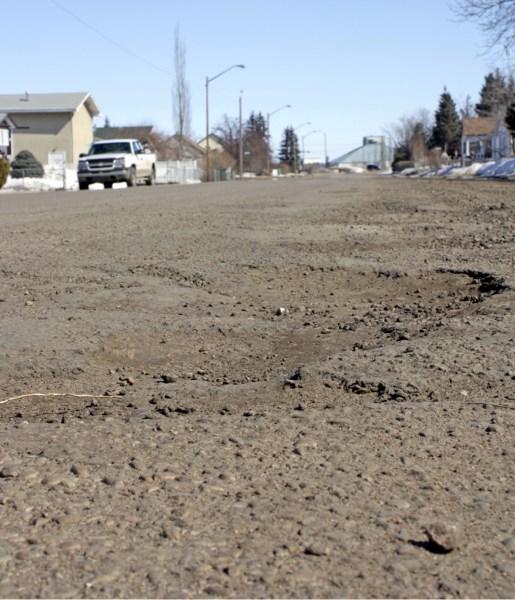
(500, 168)
(504, 168)
(53, 179)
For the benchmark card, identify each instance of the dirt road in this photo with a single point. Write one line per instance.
(294, 388)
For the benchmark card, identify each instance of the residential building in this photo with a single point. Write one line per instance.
(485, 138)
(215, 143)
(186, 148)
(48, 123)
(7, 126)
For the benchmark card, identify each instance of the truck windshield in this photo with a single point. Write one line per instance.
(108, 148)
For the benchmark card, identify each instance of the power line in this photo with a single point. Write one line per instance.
(108, 39)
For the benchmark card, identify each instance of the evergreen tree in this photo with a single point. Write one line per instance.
(495, 96)
(25, 164)
(289, 147)
(256, 144)
(447, 128)
(256, 123)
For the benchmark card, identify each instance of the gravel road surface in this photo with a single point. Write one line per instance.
(291, 388)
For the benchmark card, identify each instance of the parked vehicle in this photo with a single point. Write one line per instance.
(111, 161)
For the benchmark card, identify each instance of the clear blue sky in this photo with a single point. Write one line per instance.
(351, 68)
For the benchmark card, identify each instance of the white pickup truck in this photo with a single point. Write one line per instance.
(111, 161)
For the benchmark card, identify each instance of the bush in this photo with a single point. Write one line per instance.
(4, 170)
(25, 164)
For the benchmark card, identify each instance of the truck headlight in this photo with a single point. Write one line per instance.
(119, 163)
(83, 165)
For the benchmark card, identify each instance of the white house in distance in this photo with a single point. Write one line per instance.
(485, 138)
(49, 123)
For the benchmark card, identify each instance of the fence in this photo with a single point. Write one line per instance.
(64, 177)
(187, 171)
(178, 171)
(222, 175)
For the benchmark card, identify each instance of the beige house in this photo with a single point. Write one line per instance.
(47, 123)
(215, 143)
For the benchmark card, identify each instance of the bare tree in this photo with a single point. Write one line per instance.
(466, 108)
(410, 127)
(181, 92)
(228, 130)
(496, 18)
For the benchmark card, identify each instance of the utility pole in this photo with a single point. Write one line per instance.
(268, 133)
(241, 142)
(295, 146)
(208, 81)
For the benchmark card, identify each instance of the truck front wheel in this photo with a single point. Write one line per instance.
(152, 177)
(131, 181)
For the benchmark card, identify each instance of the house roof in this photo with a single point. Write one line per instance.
(479, 125)
(51, 103)
(213, 139)
(176, 140)
(133, 132)
(5, 121)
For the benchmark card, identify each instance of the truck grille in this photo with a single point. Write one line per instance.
(100, 164)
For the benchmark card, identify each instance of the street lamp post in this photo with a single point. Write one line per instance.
(303, 137)
(268, 131)
(295, 147)
(240, 143)
(326, 163)
(208, 81)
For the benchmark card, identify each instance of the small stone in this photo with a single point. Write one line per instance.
(111, 481)
(509, 543)
(51, 480)
(169, 378)
(451, 588)
(316, 549)
(155, 577)
(78, 470)
(444, 537)
(398, 503)
(9, 470)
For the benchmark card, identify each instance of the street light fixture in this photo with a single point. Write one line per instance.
(268, 131)
(303, 137)
(208, 81)
(295, 146)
